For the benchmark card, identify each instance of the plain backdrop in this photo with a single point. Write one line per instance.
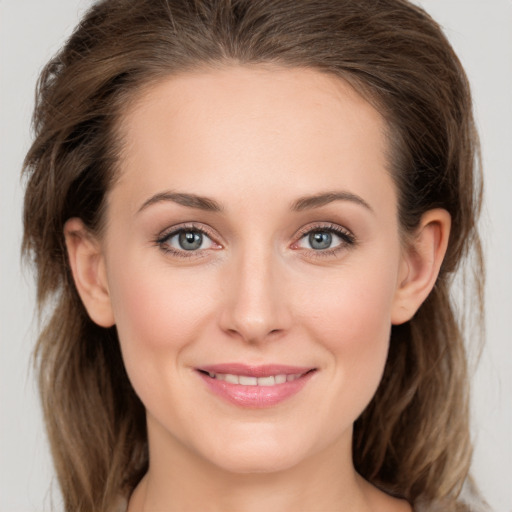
(32, 30)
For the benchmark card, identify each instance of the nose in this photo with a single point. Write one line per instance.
(255, 307)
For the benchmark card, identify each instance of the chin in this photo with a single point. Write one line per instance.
(257, 454)
(248, 462)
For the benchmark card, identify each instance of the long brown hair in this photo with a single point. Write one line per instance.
(413, 439)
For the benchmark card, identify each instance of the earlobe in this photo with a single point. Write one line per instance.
(420, 264)
(88, 268)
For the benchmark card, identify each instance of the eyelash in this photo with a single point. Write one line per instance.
(162, 241)
(348, 240)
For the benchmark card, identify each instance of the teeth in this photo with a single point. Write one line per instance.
(245, 380)
(266, 381)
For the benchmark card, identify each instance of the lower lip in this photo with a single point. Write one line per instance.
(256, 396)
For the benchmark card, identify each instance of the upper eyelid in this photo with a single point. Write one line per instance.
(186, 226)
(325, 226)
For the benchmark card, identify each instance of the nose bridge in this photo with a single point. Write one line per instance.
(255, 308)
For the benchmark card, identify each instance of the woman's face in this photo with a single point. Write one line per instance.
(252, 239)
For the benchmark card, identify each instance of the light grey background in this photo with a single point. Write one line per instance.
(32, 30)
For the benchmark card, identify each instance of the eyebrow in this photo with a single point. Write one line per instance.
(208, 204)
(318, 200)
(189, 200)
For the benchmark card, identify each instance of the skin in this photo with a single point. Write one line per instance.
(256, 140)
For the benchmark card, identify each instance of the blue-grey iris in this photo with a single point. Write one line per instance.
(190, 240)
(320, 240)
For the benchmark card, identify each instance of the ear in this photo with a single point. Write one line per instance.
(89, 273)
(420, 264)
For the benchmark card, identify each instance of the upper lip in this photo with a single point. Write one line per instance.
(264, 370)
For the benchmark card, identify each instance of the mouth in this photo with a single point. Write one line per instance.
(246, 380)
(255, 386)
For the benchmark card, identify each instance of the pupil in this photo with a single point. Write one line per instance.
(190, 241)
(320, 240)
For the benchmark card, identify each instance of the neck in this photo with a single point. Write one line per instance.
(179, 479)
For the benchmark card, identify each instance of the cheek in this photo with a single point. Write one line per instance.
(351, 318)
(352, 308)
(156, 307)
(158, 313)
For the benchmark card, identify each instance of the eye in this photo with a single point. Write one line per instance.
(320, 240)
(325, 239)
(186, 241)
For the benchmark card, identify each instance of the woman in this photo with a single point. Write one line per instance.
(248, 215)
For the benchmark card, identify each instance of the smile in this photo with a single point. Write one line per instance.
(255, 386)
(245, 380)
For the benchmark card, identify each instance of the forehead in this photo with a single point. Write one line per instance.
(243, 127)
